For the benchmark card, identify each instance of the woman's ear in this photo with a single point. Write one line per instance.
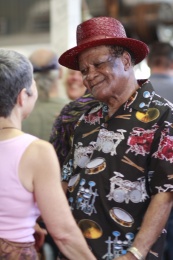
(22, 97)
(126, 59)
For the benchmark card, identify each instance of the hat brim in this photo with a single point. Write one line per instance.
(139, 49)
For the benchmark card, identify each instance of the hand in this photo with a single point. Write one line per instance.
(39, 236)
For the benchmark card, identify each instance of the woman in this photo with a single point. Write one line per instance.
(29, 175)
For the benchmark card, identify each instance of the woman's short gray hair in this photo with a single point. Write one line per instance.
(16, 73)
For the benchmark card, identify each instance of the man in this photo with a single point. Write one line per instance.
(119, 171)
(160, 61)
(47, 73)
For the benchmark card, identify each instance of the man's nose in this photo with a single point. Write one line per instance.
(92, 72)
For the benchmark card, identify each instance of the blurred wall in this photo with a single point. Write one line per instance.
(65, 16)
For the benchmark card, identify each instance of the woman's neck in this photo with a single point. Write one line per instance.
(7, 123)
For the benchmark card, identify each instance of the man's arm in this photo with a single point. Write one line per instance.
(153, 223)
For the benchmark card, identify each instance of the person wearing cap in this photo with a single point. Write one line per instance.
(118, 173)
(160, 62)
(47, 74)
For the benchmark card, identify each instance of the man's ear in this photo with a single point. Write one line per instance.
(126, 59)
(22, 97)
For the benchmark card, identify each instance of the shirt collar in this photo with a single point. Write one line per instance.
(142, 98)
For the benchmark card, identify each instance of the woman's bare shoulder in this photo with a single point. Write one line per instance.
(40, 151)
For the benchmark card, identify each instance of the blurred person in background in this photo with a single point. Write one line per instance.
(61, 139)
(30, 174)
(47, 73)
(63, 127)
(74, 84)
(160, 62)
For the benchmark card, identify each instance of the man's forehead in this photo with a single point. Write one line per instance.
(94, 52)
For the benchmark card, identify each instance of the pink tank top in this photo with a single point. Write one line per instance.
(18, 209)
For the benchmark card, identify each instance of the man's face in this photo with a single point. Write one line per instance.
(103, 74)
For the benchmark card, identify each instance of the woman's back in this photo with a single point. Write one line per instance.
(18, 210)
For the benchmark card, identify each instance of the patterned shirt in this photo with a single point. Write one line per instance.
(63, 127)
(116, 165)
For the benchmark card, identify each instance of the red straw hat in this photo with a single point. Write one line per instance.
(102, 31)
